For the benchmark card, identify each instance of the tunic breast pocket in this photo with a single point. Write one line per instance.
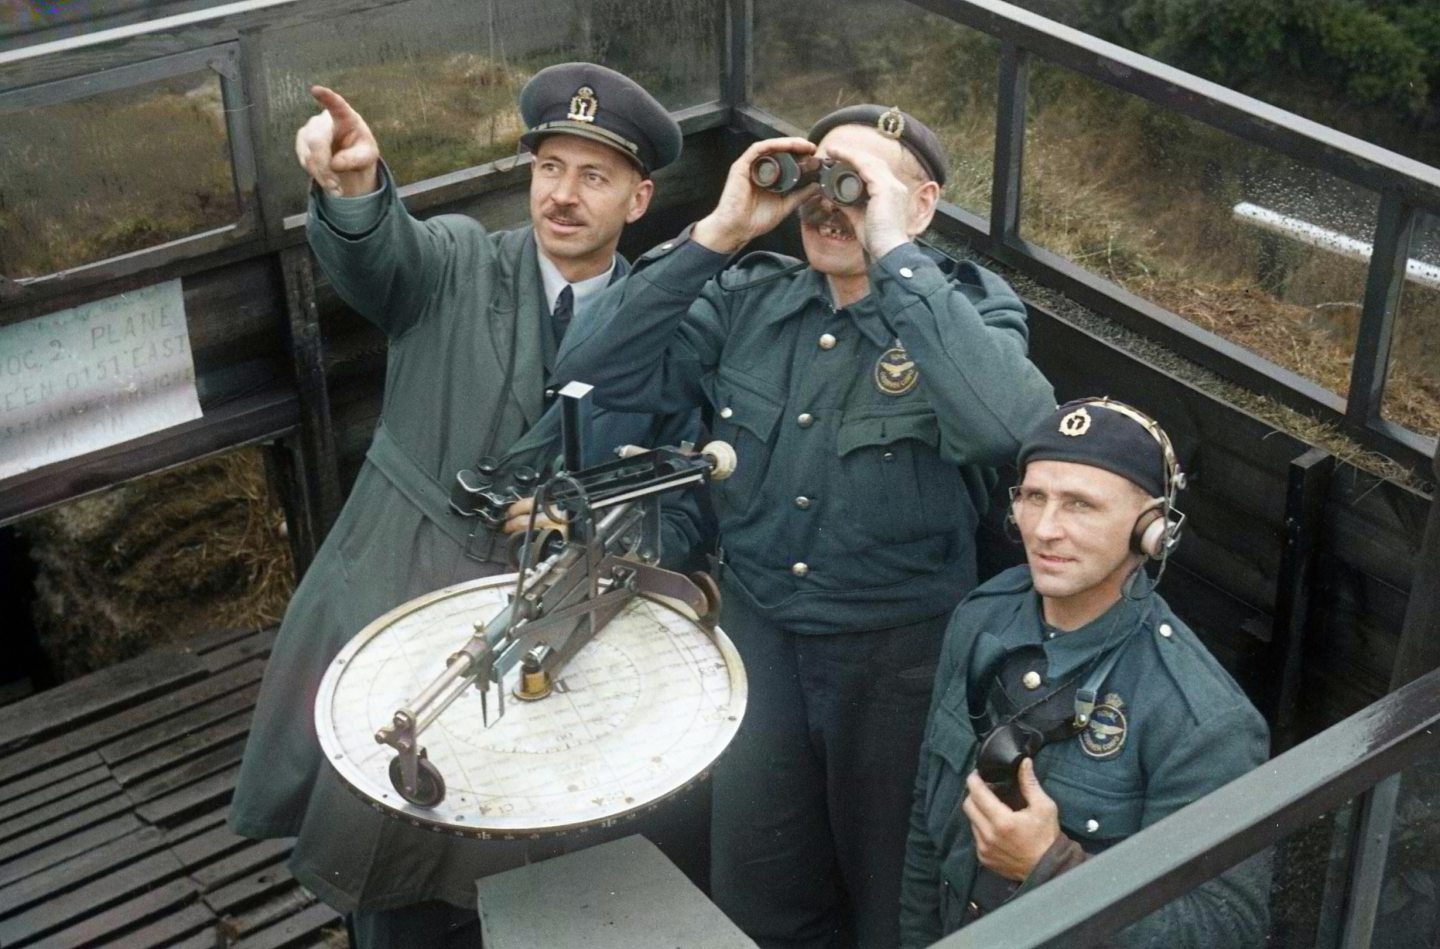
(950, 743)
(746, 418)
(1095, 817)
(896, 486)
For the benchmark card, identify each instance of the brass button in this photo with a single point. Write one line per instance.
(726, 412)
(1031, 680)
(1166, 630)
(1091, 826)
(803, 503)
(800, 569)
(888, 456)
(906, 272)
(827, 341)
(805, 420)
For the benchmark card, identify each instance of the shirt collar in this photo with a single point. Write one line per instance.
(555, 282)
(1071, 650)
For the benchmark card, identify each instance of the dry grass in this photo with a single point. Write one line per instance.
(107, 175)
(192, 550)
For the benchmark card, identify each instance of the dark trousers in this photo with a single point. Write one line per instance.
(430, 925)
(812, 799)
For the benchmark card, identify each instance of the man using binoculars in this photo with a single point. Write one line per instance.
(1071, 707)
(866, 394)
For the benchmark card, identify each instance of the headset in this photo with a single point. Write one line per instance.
(1158, 528)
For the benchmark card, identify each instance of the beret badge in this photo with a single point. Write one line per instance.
(891, 123)
(1076, 423)
(583, 105)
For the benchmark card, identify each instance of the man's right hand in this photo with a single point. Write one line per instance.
(337, 148)
(746, 211)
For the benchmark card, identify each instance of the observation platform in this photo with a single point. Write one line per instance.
(114, 790)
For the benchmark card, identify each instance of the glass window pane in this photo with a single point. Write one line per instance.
(807, 65)
(437, 79)
(1237, 239)
(1412, 388)
(112, 173)
(1408, 916)
(1306, 875)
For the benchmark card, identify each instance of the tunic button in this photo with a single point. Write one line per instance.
(805, 420)
(1092, 825)
(1031, 680)
(906, 272)
(726, 412)
(800, 569)
(803, 503)
(888, 456)
(1166, 630)
(667, 246)
(827, 341)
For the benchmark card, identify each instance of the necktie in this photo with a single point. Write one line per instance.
(564, 309)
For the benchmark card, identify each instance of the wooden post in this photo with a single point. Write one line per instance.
(1306, 490)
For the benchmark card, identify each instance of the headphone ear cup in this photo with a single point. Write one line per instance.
(1148, 537)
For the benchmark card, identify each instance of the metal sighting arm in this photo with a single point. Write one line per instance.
(578, 584)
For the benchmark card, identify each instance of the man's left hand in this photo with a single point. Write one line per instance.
(517, 518)
(1009, 842)
(888, 207)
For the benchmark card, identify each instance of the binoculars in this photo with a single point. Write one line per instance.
(783, 173)
(483, 492)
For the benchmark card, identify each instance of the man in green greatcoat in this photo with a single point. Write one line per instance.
(1091, 710)
(473, 320)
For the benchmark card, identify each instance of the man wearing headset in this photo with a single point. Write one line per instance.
(1071, 707)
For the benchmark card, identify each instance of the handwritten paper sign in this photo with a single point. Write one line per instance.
(94, 376)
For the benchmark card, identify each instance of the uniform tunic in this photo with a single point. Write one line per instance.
(1183, 729)
(876, 495)
(864, 436)
(465, 314)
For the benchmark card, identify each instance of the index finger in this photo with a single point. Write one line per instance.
(984, 799)
(521, 507)
(333, 102)
(868, 165)
(769, 146)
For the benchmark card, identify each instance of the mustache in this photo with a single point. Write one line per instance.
(814, 214)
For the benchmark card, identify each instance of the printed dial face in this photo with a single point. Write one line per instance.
(637, 714)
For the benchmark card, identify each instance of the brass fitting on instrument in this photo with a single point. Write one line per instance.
(534, 682)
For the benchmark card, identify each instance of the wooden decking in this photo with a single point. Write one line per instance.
(113, 795)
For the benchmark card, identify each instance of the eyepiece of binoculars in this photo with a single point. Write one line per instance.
(782, 173)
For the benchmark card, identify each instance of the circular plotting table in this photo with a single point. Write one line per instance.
(639, 713)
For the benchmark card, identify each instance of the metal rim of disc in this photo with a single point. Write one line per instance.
(364, 769)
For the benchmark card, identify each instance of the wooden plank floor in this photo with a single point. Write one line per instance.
(113, 795)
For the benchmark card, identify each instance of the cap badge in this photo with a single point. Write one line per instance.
(1076, 423)
(895, 372)
(583, 105)
(891, 123)
(1104, 736)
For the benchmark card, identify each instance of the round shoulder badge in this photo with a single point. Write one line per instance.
(895, 372)
(1105, 735)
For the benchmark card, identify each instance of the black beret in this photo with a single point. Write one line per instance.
(600, 104)
(1105, 434)
(892, 123)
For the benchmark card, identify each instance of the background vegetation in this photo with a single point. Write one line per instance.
(1145, 197)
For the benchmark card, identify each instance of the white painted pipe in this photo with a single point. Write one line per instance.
(1422, 273)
